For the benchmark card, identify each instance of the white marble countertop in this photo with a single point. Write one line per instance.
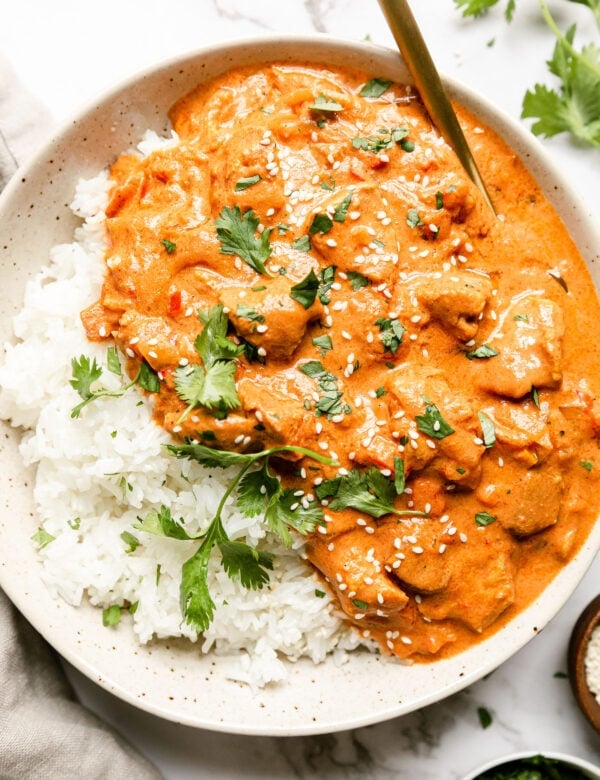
(67, 51)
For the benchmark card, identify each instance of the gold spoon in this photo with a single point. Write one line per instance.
(429, 84)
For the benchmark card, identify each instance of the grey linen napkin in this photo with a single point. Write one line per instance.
(44, 732)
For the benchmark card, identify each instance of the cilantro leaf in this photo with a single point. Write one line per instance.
(326, 279)
(484, 518)
(321, 224)
(248, 313)
(433, 424)
(357, 280)
(341, 210)
(375, 88)
(255, 489)
(213, 389)
(286, 511)
(488, 429)
(302, 244)
(391, 333)
(161, 523)
(237, 234)
(195, 600)
(85, 373)
(248, 181)
(42, 538)
(211, 384)
(323, 342)
(111, 616)
(481, 352)
(325, 105)
(306, 290)
(246, 564)
(370, 492)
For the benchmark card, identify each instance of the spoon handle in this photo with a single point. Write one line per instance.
(414, 50)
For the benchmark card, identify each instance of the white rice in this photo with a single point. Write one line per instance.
(97, 474)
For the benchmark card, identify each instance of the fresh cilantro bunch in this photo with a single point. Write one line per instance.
(574, 106)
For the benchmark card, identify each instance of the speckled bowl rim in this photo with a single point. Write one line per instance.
(171, 679)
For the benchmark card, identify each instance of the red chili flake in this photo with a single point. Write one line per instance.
(174, 304)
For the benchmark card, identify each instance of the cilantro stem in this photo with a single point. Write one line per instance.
(102, 392)
(565, 42)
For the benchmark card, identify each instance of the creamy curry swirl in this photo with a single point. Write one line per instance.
(383, 317)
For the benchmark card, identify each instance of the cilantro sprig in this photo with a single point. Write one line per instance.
(86, 372)
(368, 491)
(574, 105)
(210, 384)
(258, 491)
(237, 234)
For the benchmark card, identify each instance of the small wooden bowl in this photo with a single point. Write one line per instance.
(582, 631)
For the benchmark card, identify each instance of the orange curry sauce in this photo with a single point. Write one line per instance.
(433, 314)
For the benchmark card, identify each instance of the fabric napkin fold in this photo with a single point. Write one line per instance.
(44, 731)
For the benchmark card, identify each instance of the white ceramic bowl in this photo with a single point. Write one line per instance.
(171, 679)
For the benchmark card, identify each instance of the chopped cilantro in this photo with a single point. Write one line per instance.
(488, 429)
(249, 181)
(433, 424)
(237, 234)
(357, 280)
(326, 279)
(341, 210)
(324, 105)
(169, 246)
(375, 88)
(306, 290)
(413, 219)
(323, 342)
(301, 244)
(111, 616)
(485, 717)
(391, 333)
(321, 224)
(42, 538)
(484, 518)
(248, 313)
(481, 352)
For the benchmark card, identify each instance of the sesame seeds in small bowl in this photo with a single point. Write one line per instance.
(584, 662)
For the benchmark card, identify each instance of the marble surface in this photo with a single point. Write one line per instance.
(67, 51)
